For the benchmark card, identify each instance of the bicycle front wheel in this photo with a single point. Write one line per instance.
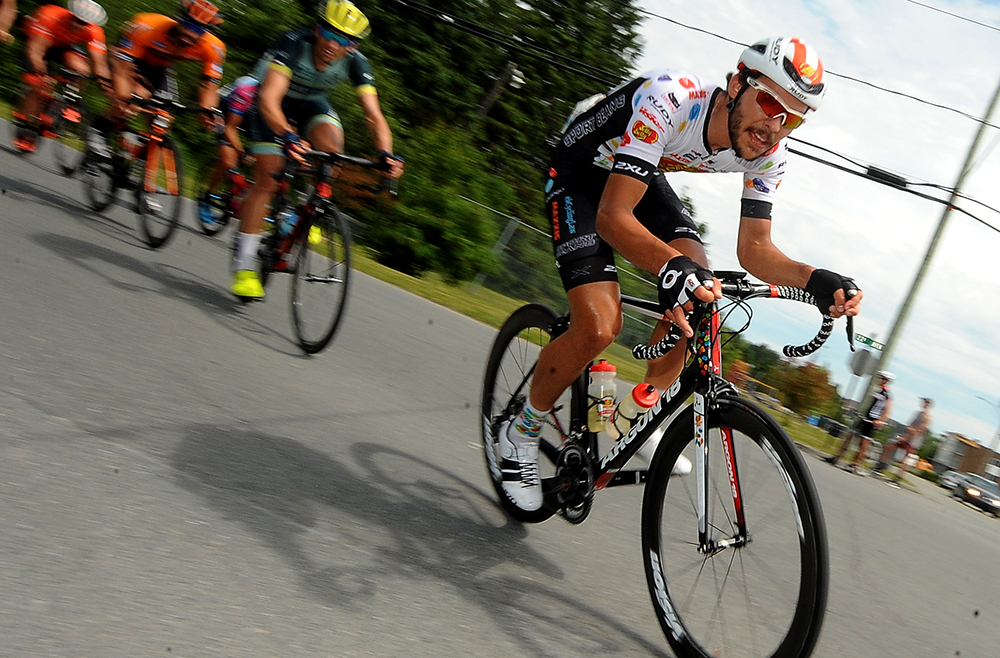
(158, 193)
(100, 180)
(762, 597)
(71, 129)
(322, 276)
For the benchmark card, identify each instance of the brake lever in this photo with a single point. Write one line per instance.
(850, 321)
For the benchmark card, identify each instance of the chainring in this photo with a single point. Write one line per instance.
(574, 479)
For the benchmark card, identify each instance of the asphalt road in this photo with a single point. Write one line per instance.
(176, 479)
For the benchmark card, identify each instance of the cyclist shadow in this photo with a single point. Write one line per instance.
(401, 521)
(109, 226)
(166, 280)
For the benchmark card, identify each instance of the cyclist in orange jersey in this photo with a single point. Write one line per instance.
(8, 11)
(57, 34)
(152, 43)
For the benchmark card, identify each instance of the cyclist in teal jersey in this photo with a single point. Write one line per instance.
(296, 75)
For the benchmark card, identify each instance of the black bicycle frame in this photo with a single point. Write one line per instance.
(702, 379)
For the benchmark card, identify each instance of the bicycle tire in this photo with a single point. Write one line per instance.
(72, 128)
(775, 611)
(505, 388)
(100, 180)
(159, 211)
(322, 268)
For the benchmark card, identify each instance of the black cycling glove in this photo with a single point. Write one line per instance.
(678, 280)
(823, 283)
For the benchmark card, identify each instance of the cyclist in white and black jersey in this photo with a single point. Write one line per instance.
(606, 192)
(873, 417)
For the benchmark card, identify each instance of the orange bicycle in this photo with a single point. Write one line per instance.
(148, 162)
(64, 118)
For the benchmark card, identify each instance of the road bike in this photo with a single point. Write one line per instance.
(149, 163)
(735, 552)
(64, 118)
(315, 249)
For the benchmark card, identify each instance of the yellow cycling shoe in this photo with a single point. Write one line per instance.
(315, 234)
(246, 285)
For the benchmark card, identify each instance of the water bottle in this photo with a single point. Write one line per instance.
(131, 146)
(631, 408)
(286, 221)
(601, 394)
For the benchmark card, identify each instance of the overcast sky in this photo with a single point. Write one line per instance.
(948, 350)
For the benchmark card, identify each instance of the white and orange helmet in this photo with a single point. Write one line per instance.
(792, 64)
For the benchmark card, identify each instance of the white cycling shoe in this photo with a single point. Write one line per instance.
(519, 466)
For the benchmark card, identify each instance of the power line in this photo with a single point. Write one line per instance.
(607, 77)
(834, 73)
(958, 16)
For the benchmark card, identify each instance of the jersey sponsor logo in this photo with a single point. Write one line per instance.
(126, 43)
(664, 78)
(700, 93)
(676, 104)
(654, 101)
(548, 185)
(649, 115)
(644, 133)
(576, 244)
(631, 168)
(687, 84)
(555, 220)
(217, 68)
(758, 184)
(684, 125)
(584, 128)
(579, 272)
(695, 111)
(626, 140)
(667, 164)
(570, 218)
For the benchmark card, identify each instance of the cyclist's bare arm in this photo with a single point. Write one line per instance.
(35, 51)
(379, 129)
(760, 257)
(208, 97)
(617, 225)
(233, 122)
(8, 12)
(272, 92)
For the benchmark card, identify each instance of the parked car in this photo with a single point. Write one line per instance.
(980, 492)
(951, 479)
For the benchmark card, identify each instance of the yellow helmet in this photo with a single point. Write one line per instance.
(344, 17)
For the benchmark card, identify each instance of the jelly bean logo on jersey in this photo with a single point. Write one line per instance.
(686, 83)
(806, 62)
(644, 133)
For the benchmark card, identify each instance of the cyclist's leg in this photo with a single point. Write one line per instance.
(586, 266)
(324, 129)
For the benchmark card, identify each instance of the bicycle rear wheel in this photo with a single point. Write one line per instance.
(322, 276)
(764, 598)
(506, 384)
(71, 128)
(158, 196)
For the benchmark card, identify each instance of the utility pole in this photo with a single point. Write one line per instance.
(904, 310)
(510, 76)
(996, 406)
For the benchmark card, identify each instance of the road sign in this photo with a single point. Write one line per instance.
(871, 342)
(863, 363)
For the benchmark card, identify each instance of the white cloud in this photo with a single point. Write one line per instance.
(873, 233)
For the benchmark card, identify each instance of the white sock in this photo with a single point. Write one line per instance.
(246, 251)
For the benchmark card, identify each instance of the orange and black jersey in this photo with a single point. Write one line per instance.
(57, 24)
(146, 39)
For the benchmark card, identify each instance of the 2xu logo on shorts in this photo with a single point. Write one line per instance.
(631, 168)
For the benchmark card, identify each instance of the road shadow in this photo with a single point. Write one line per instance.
(124, 232)
(171, 281)
(409, 520)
